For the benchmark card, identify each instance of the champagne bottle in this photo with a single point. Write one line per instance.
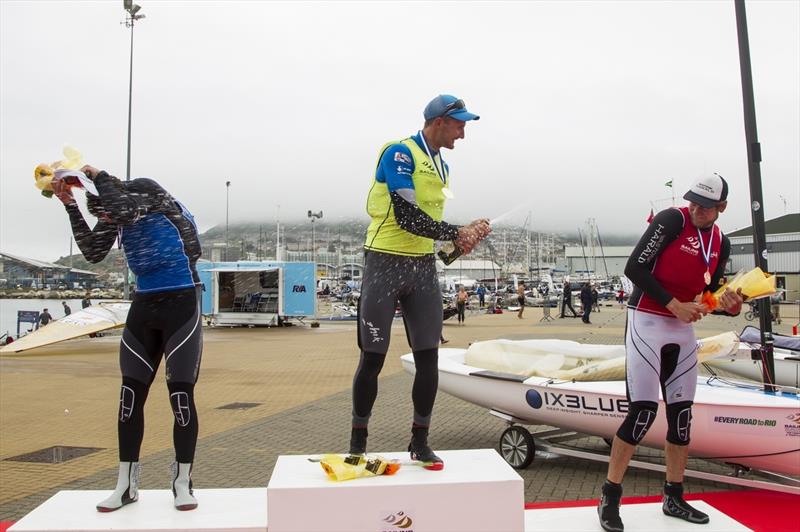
(449, 253)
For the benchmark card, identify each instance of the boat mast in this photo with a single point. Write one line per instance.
(583, 251)
(528, 246)
(756, 196)
(603, 253)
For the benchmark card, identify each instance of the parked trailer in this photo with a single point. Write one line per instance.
(254, 293)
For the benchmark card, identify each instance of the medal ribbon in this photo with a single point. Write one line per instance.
(433, 161)
(706, 254)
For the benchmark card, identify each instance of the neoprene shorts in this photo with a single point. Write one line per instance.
(410, 281)
(647, 371)
(163, 324)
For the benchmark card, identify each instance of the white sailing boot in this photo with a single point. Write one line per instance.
(127, 490)
(182, 486)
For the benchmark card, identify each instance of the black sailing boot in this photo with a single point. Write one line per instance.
(608, 509)
(421, 452)
(675, 506)
(358, 441)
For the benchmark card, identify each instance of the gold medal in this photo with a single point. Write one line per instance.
(706, 254)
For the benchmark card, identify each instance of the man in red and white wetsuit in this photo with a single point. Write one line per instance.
(681, 254)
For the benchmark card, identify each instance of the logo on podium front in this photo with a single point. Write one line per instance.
(398, 522)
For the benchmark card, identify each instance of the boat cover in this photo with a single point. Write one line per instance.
(752, 335)
(568, 360)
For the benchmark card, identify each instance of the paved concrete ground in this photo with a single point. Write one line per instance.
(300, 377)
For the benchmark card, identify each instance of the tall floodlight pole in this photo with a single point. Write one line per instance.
(227, 212)
(278, 254)
(756, 196)
(313, 216)
(132, 16)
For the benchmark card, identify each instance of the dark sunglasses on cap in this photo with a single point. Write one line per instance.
(454, 106)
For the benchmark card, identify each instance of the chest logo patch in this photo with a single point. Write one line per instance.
(691, 246)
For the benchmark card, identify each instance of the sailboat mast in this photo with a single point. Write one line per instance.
(583, 251)
(756, 196)
(603, 253)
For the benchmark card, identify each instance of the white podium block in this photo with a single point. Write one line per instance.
(219, 510)
(645, 517)
(477, 491)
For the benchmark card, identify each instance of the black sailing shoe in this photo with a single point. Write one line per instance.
(608, 509)
(358, 440)
(675, 506)
(421, 452)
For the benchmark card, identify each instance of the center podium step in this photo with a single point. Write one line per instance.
(476, 491)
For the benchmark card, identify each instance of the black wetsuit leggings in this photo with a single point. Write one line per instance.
(164, 324)
(566, 303)
(423, 393)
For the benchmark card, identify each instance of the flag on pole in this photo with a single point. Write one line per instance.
(650, 218)
(668, 183)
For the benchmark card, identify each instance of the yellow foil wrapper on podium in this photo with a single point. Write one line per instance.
(754, 284)
(340, 468)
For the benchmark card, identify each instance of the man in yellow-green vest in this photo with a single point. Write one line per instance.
(406, 204)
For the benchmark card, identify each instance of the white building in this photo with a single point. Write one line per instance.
(783, 252)
(585, 262)
(469, 269)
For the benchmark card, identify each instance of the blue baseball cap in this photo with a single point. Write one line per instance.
(448, 105)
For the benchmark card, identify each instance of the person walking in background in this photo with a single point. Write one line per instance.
(86, 302)
(44, 319)
(595, 299)
(461, 303)
(586, 301)
(406, 199)
(521, 299)
(481, 292)
(775, 307)
(67, 310)
(621, 297)
(566, 300)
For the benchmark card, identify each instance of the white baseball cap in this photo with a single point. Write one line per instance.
(708, 190)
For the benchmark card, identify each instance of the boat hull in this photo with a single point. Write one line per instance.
(786, 363)
(741, 426)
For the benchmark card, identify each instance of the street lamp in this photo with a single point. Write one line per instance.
(227, 210)
(313, 216)
(132, 16)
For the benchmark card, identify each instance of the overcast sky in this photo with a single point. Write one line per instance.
(587, 108)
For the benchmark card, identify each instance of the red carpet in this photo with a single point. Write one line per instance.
(760, 510)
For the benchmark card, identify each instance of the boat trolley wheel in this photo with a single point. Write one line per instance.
(517, 447)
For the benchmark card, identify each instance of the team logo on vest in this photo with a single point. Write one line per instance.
(428, 167)
(693, 247)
